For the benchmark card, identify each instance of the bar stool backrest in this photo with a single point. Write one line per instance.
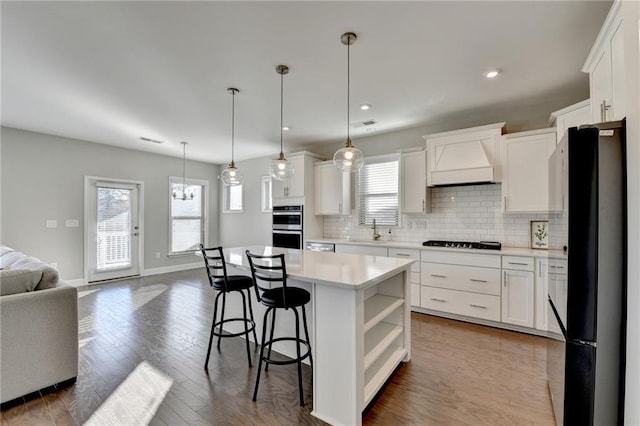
(266, 270)
(216, 267)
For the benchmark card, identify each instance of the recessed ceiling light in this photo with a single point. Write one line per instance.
(492, 73)
(365, 107)
(286, 128)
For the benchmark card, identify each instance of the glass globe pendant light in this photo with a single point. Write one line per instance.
(349, 158)
(231, 175)
(184, 196)
(281, 168)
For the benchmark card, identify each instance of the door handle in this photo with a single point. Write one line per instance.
(438, 276)
(477, 281)
(136, 234)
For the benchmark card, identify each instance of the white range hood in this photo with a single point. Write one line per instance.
(465, 156)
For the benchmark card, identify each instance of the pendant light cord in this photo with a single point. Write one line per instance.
(348, 85)
(281, 109)
(184, 179)
(233, 124)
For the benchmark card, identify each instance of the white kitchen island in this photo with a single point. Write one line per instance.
(360, 323)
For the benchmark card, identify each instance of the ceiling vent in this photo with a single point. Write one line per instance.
(366, 123)
(142, 138)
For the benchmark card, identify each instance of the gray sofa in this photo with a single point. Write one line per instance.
(38, 326)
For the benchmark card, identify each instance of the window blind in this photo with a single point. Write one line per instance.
(378, 184)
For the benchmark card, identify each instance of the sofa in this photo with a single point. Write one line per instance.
(38, 326)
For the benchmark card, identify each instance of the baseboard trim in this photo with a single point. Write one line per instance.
(174, 268)
(78, 282)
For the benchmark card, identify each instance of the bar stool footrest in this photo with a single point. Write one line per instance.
(268, 345)
(252, 326)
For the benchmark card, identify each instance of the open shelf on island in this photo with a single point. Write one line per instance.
(380, 370)
(378, 339)
(378, 307)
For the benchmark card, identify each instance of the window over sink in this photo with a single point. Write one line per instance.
(378, 191)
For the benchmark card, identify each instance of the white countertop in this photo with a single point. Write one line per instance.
(341, 270)
(508, 251)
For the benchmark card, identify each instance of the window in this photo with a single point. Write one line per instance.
(232, 199)
(266, 194)
(188, 217)
(378, 183)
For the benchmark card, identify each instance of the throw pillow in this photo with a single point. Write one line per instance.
(16, 281)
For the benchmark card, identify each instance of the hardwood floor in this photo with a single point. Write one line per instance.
(459, 373)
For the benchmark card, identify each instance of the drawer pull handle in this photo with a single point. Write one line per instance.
(477, 281)
(477, 306)
(518, 263)
(403, 254)
(556, 267)
(438, 300)
(438, 276)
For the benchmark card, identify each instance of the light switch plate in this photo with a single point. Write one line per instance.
(52, 223)
(72, 223)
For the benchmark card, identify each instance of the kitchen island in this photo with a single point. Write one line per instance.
(360, 323)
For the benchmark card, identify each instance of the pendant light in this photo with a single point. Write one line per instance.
(184, 196)
(231, 176)
(281, 168)
(349, 158)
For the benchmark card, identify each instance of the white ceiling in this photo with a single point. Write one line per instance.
(110, 72)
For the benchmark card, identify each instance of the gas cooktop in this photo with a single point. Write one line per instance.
(484, 245)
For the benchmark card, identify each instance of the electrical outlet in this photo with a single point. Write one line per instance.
(52, 223)
(72, 223)
(157, 255)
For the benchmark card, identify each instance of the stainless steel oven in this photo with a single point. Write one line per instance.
(287, 226)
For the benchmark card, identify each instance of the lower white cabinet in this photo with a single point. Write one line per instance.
(542, 292)
(366, 250)
(414, 275)
(461, 302)
(518, 291)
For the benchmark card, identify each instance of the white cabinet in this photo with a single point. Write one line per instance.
(605, 65)
(414, 274)
(525, 185)
(542, 293)
(365, 249)
(464, 156)
(572, 116)
(461, 283)
(415, 195)
(294, 190)
(332, 190)
(518, 291)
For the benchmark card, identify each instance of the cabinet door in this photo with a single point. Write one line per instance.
(332, 190)
(366, 250)
(526, 182)
(414, 183)
(293, 187)
(601, 88)
(618, 96)
(542, 292)
(517, 298)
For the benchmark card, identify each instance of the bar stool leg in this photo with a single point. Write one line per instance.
(246, 326)
(264, 334)
(306, 332)
(255, 337)
(295, 311)
(224, 302)
(213, 326)
(273, 326)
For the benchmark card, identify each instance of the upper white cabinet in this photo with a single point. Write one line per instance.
(525, 184)
(572, 116)
(605, 65)
(464, 156)
(415, 195)
(332, 189)
(294, 190)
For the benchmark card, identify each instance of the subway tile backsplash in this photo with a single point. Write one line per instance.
(463, 213)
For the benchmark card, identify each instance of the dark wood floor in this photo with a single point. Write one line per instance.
(459, 374)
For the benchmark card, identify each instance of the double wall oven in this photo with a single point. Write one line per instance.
(287, 227)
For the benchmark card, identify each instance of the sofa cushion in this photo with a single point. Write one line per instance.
(14, 281)
(18, 260)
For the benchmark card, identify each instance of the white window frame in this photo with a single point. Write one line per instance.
(205, 213)
(225, 199)
(266, 194)
(380, 159)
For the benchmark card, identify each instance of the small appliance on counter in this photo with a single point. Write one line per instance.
(482, 245)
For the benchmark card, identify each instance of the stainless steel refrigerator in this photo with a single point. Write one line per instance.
(587, 276)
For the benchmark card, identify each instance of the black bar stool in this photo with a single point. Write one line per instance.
(272, 269)
(221, 282)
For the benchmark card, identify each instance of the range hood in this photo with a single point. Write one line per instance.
(464, 157)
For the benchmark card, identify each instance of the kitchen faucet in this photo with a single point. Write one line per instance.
(376, 236)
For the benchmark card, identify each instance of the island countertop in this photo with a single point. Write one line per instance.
(337, 269)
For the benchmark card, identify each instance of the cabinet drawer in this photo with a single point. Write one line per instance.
(517, 263)
(463, 278)
(407, 254)
(460, 302)
(459, 258)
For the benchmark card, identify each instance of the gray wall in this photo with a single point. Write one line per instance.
(251, 226)
(43, 178)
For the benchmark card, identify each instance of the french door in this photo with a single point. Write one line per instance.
(113, 229)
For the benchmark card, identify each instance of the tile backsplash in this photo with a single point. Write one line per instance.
(462, 213)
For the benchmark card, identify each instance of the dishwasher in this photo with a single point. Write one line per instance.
(313, 246)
